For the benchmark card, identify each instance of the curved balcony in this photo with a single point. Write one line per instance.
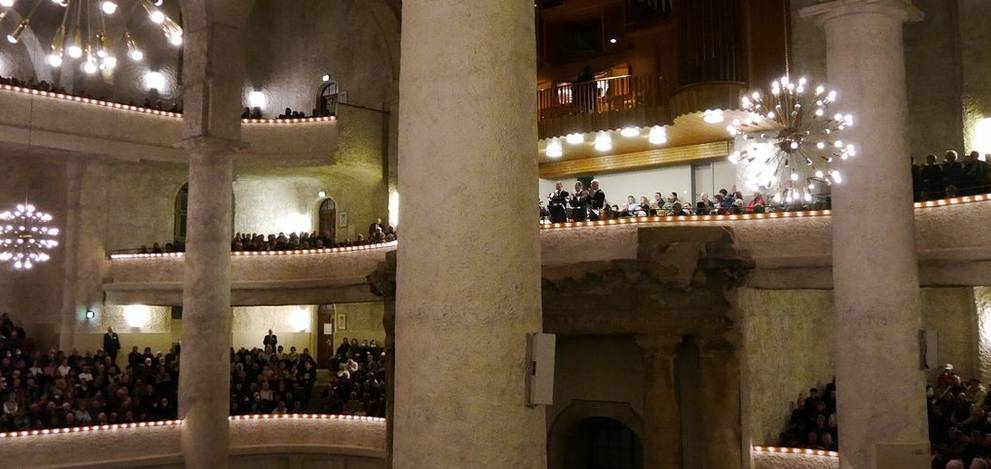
(285, 440)
(51, 123)
(770, 457)
(790, 250)
(607, 103)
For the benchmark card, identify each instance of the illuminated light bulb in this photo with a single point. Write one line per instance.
(819, 174)
(110, 62)
(657, 135)
(603, 142)
(6, 3)
(554, 149)
(109, 7)
(713, 116)
(837, 177)
(794, 176)
(175, 38)
(156, 16)
(89, 66)
(135, 55)
(574, 139)
(794, 145)
(55, 60)
(75, 51)
(629, 132)
(15, 36)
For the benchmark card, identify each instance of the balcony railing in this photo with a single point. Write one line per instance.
(607, 103)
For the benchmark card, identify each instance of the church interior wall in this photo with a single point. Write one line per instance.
(596, 368)
(790, 346)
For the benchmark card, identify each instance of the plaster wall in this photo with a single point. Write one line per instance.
(596, 368)
(354, 41)
(292, 324)
(790, 346)
(364, 322)
(975, 35)
(34, 297)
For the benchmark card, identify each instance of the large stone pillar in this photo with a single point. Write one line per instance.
(213, 74)
(204, 380)
(875, 272)
(468, 281)
(661, 407)
(71, 247)
(720, 396)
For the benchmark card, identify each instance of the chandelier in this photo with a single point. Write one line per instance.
(82, 34)
(25, 236)
(799, 155)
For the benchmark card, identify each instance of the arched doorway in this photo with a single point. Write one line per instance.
(181, 214)
(328, 97)
(604, 443)
(328, 219)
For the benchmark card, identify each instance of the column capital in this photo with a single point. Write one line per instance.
(825, 12)
(659, 345)
(207, 145)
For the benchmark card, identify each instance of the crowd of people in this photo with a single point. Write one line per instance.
(951, 177)
(58, 389)
(255, 242)
(150, 102)
(358, 387)
(959, 414)
(256, 113)
(591, 204)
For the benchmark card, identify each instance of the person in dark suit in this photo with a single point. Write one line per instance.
(375, 227)
(597, 201)
(111, 344)
(556, 202)
(271, 340)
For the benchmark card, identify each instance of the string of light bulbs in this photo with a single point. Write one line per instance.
(800, 155)
(94, 50)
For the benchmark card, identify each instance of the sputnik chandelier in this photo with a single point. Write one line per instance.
(25, 236)
(793, 160)
(82, 34)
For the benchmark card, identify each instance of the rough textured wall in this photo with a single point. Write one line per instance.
(808, 45)
(157, 333)
(34, 297)
(975, 35)
(347, 39)
(790, 345)
(932, 63)
(364, 322)
(789, 342)
(982, 306)
(292, 324)
(581, 363)
(951, 313)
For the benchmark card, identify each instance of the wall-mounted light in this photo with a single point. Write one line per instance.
(90, 314)
(603, 142)
(554, 149)
(657, 135)
(321, 194)
(154, 81)
(325, 78)
(575, 139)
(629, 132)
(109, 7)
(257, 99)
(613, 40)
(137, 315)
(712, 116)
(299, 320)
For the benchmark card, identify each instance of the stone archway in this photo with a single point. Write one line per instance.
(559, 435)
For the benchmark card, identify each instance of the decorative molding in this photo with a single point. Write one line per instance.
(637, 160)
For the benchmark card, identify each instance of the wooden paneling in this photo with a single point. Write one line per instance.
(638, 160)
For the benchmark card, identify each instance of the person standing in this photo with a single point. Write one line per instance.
(111, 344)
(556, 202)
(271, 340)
(597, 200)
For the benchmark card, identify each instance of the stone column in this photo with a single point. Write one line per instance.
(213, 74)
(875, 272)
(661, 405)
(468, 287)
(204, 380)
(720, 396)
(383, 284)
(71, 244)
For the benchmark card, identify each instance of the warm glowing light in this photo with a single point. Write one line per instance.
(394, 208)
(299, 320)
(629, 132)
(657, 135)
(26, 236)
(154, 81)
(54, 60)
(325, 78)
(575, 139)
(257, 99)
(156, 16)
(554, 149)
(603, 142)
(137, 315)
(713, 116)
(109, 7)
(175, 39)
(982, 137)
(6, 3)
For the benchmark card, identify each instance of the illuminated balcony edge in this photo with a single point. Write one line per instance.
(294, 252)
(170, 423)
(748, 216)
(156, 112)
(799, 451)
